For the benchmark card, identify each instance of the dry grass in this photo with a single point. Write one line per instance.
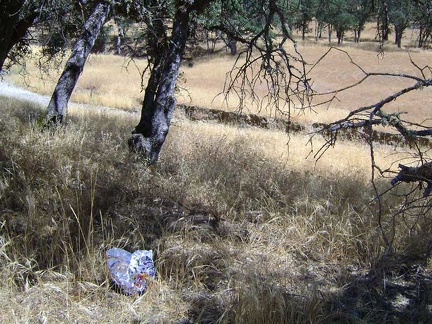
(112, 81)
(107, 80)
(296, 240)
(289, 230)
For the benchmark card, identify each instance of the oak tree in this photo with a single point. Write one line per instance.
(264, 58)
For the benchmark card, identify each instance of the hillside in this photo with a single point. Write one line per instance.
(246, 226)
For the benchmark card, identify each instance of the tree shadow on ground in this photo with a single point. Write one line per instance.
(398, 290)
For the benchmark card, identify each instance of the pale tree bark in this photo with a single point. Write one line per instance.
(57, 107)
(120, 33)
(159, 100)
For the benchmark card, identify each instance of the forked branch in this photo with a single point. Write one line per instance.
(374, 114)
(265, 63)
(365, 119)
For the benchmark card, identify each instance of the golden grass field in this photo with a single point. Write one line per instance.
(297, 239)
(119, 86)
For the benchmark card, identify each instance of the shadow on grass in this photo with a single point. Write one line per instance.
(398, 290)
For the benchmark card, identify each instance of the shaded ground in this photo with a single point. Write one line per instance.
(397, 290)
(400, 293)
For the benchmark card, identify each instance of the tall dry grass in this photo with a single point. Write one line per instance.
(288, 232)
(282, 238)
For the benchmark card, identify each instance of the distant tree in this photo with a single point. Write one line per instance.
(232, 18)
(324, 16)
(303, 12)
(422, 19)
(361, 11)
(400, 15)
(383, 20)
(337, 15)
(121, 24)
(343, 22)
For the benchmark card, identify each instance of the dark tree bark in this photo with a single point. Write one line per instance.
(159, 101)
(57, 107)
(165, 54)
(357, 34)
(422, 173)
(12, 27)
(383, 21)
(232, 45)
(339, 35)
(398, 37)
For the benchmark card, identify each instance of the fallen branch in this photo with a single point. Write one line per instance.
(413, 174)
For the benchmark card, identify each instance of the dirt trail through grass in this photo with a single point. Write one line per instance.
(9, 90)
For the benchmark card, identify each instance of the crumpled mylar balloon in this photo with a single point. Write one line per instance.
(130, 271)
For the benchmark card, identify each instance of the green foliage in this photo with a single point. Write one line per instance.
(338, 15)
(423, 21)
(302, 11)
(103, 40)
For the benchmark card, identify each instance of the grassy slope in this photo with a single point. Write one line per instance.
(295, 241)
(287, 244)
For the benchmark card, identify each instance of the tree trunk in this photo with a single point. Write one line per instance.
(383, 21)
(120, 34)
(357, 32)
(12, 28)
(74, 66)
(318, 30)
(159, 101)
(232, 45)
(398, 38)
(420, 42)
(339, 35)
(304, 27)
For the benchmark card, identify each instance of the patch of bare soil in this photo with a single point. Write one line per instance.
(9, 90)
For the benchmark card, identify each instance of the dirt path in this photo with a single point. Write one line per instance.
(9, 90)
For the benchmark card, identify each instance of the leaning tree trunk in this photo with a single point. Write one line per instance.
(74, 66)
(159, 101)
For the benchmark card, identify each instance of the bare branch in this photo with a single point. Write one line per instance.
(265, 61)
(374, 114)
